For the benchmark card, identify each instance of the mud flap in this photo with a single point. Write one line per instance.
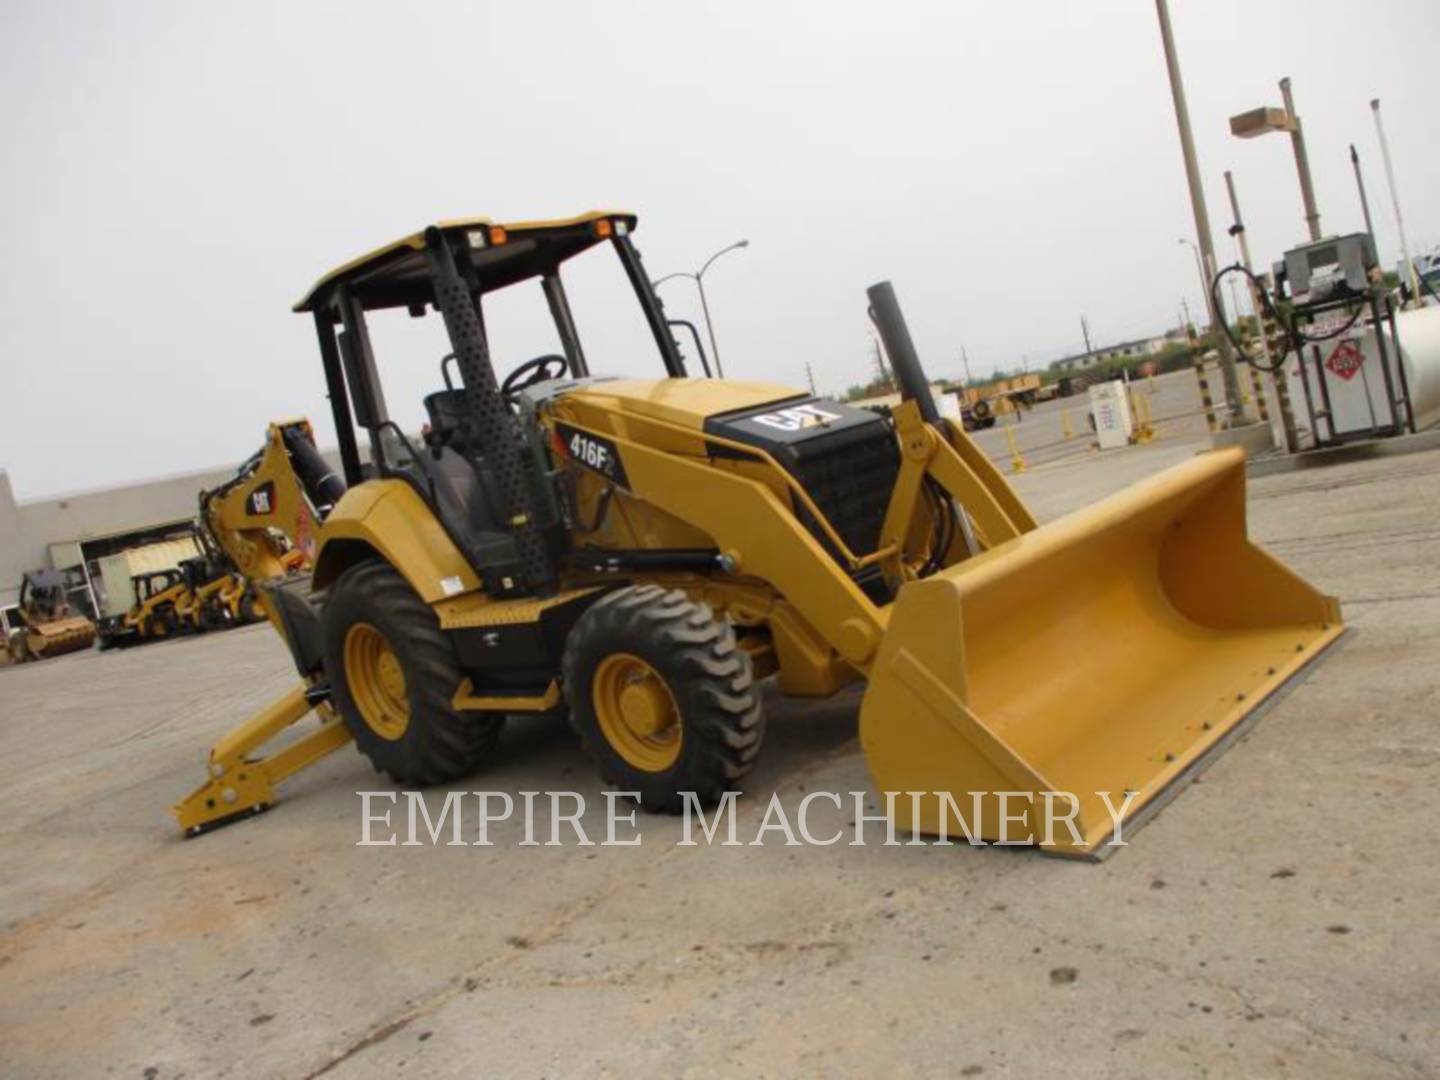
(1104, 655)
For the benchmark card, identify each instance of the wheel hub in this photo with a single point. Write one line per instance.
(376, 681)
(637, 712)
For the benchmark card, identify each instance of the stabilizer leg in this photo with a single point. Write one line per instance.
(240, 787)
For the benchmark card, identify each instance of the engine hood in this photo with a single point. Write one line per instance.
(685, 402)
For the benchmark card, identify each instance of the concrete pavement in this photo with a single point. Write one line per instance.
(1277, 919)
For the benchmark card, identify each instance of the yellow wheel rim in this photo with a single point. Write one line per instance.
(636, 712)
(376, 681)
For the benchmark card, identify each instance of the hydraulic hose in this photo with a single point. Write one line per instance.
(1297, 340)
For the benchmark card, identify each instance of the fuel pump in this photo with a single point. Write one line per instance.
(1337, 347)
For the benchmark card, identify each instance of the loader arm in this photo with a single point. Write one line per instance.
(1110, 654)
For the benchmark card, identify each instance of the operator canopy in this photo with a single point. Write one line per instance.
(396, 275)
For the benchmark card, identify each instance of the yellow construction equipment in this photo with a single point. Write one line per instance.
(161, 599)
(49, 624)
(216, 600)
(638, 552)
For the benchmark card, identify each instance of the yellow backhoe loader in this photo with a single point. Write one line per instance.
(638, 552)
(49, 624)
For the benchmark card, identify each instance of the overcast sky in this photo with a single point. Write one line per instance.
(175, 175)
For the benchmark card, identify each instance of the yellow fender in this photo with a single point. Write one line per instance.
(387, 518)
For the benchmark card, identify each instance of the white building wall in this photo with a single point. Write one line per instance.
(14, 548)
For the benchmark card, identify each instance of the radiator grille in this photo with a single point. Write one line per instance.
(851, 484)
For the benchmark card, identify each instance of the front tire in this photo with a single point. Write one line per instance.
(393, 674)
(663, 698)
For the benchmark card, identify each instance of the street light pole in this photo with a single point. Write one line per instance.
(1206, 251)
(1302, 161)
(698, 277)
(1262, 121)
(709, 325)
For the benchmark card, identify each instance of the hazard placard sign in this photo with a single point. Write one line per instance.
(1345, 359)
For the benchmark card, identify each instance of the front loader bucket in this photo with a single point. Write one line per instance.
(1111, 651)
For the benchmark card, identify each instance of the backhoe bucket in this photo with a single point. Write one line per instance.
(1106, 655)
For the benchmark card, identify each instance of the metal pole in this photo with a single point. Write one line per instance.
(1197, 204)
(1277, 378)
(1204, 281)
(1395, 200)
(1364, 202)
(699, 278)
(1302, 161)
(904, 361)
(709, 326)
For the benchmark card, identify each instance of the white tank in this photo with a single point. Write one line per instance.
(1356, 382)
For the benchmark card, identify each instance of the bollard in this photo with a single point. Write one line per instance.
(1205, 396)
(1141, 432)
(1144, 426)
(1258, 381)
(1205, 399)
(1065, 429)
(1017, 463)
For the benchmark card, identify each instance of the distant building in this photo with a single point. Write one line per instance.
(1138, 349)
(81, 528)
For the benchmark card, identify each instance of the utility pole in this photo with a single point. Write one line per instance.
(1302, 161)
(884, 374)
(810, 377)
(1364, 202)
(1185, 307)
(1202, 217)
(1282, 388)
(1085, 329)
(1395, 201)
(965, 356)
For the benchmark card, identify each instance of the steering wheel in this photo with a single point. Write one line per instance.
(541, 369)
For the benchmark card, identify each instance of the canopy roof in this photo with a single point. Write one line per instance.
(396, 276)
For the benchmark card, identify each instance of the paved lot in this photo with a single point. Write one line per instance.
(1058, 430)
(1278, 919)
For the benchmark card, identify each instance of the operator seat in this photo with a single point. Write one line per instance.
(450, 423)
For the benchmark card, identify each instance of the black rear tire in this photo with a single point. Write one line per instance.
(438, 744)
(161, 624)
(708, 676)
(211, 617)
